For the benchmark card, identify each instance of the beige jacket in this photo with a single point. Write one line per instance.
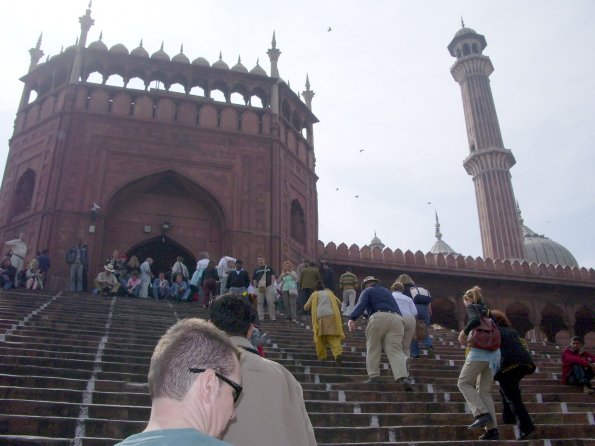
(271, 410)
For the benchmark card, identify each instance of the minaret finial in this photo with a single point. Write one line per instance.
(239, 59)
(438, 233)
(90, 4)
(162, 45)
(181, 48)
(101, 35)
(38, 46)
(141, 43)
(274, 41)
(462, 22)
(308, 94)
(220, 55)
(274, 54)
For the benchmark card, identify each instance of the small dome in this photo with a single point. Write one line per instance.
(441, 247)
(463, 31)
(201, 61)
(180, 58)
(376, 242)
(118, 48)
(98, 44)
(140, 51)
(160, 55)
(220, 64)
(258, 70)
(540, 249)
(239, 67)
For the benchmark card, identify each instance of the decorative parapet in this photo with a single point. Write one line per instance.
(456, 264)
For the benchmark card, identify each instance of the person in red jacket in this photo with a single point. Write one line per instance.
(578, 366)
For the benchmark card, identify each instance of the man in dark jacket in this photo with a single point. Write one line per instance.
(238, 280)
(384, 331)
(577, 366)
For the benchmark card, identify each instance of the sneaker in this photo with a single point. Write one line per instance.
(480, 421)
(405, 383)
(490, 434)
(372, 380)
(588, 390)
(527, 434)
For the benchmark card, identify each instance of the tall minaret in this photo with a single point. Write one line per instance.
(488, 162)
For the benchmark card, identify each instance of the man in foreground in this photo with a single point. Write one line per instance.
(272, 409)
(194, 383)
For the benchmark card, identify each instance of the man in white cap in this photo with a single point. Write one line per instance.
(384, 331)
(106, 282)
(18, 252)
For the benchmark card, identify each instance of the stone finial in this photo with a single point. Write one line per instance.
(182, 48)
(308, 94)
(274, 54)
(438, 233)
(38, 45)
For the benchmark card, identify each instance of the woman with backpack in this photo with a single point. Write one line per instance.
(481, 363)
(515, 363)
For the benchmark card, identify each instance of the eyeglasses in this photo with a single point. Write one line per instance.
(237, 389)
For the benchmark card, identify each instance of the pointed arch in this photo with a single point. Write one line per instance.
(23, 194)
(298, 222)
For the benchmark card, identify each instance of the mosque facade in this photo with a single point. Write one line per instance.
(185, 156)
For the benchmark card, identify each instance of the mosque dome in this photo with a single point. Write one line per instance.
(160, 54)
(464, 31)
(140, 51)
(118, 48)
(239, 67)
(258, 70)
(220, 64)
(441, 247)
(180, 58)
(98, 44)
(376, 242)
(540, 249)
(201, 61)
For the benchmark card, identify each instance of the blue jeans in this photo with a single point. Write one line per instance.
(423, 313)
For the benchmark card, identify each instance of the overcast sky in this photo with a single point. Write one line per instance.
(382, 83)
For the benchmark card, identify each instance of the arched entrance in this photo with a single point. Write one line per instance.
(444, 313)
(164, 251)
(161, 216)
(551, 321)
(519, 318)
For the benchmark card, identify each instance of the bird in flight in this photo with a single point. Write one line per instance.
(329, 29)
(337, 189)
(357, 196)
(361, 150)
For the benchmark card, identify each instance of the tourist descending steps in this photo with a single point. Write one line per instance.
(515, 363)
(272, 409)
(289, 291)
(384, 331)
(263, 281)
(327, 324)
(194, 381)
(477, 375)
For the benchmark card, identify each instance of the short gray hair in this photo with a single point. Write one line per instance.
(190, 343)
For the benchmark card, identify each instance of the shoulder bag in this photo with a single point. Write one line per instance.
(486, 336)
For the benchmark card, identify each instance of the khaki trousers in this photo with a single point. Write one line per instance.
(385, 332)
(409, 323)
(269, 294)
(348, 301)
(475, 383)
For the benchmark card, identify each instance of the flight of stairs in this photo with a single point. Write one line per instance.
(73, 371)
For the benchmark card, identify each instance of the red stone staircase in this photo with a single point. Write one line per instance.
(73, 371)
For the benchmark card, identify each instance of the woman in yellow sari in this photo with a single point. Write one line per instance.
(326, 322)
